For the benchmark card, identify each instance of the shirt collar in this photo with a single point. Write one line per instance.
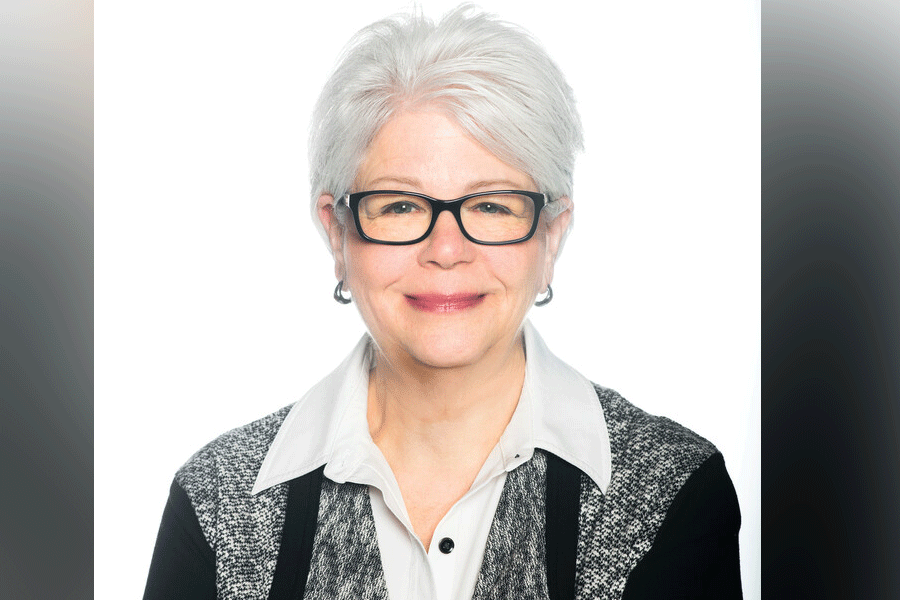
(557, 412)
(566, 415)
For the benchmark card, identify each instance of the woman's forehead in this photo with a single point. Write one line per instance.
(418, 150)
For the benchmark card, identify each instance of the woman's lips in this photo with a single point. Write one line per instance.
(442, 303)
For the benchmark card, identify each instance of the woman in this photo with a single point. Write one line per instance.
(451, 455)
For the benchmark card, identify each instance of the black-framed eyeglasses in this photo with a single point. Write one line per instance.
(492, 218)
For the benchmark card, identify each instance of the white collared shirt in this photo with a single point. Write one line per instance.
(558, 411)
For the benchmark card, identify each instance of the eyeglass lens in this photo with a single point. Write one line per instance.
(490, 218)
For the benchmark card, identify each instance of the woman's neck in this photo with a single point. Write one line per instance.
(443, 411)
(436, 427)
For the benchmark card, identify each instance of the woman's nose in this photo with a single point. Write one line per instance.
(446, 245)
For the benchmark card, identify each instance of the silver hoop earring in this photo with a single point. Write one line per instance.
(546, 299)
(338, 296)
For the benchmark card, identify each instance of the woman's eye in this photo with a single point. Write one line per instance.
(492, 208)
(400, 208)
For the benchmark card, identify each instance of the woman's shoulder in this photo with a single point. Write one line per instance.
(236, 455)
(638, 436)
(669, 518)
(668, 488)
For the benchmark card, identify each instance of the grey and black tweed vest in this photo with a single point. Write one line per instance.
(652, 457)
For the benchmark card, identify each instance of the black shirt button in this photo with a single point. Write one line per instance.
(446, 545)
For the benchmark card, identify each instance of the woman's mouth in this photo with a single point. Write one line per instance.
(444, 303)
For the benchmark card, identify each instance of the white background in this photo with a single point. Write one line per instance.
(213, 290)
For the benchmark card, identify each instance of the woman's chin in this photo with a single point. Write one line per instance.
(447, 351)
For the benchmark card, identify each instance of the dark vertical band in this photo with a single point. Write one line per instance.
(298, 534)
(563, 495)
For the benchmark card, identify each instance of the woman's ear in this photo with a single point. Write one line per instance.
(556, 233)
(334, 229)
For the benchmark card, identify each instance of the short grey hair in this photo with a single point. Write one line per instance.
(493, 78)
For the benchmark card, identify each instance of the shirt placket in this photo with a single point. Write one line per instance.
(447, 546)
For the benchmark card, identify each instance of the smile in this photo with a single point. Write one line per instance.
(441, 303)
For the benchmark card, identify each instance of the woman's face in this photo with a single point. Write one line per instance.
(446, 301)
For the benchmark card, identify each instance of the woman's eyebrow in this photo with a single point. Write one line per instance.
(506, 184)
(416, 184)
(407, 181)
